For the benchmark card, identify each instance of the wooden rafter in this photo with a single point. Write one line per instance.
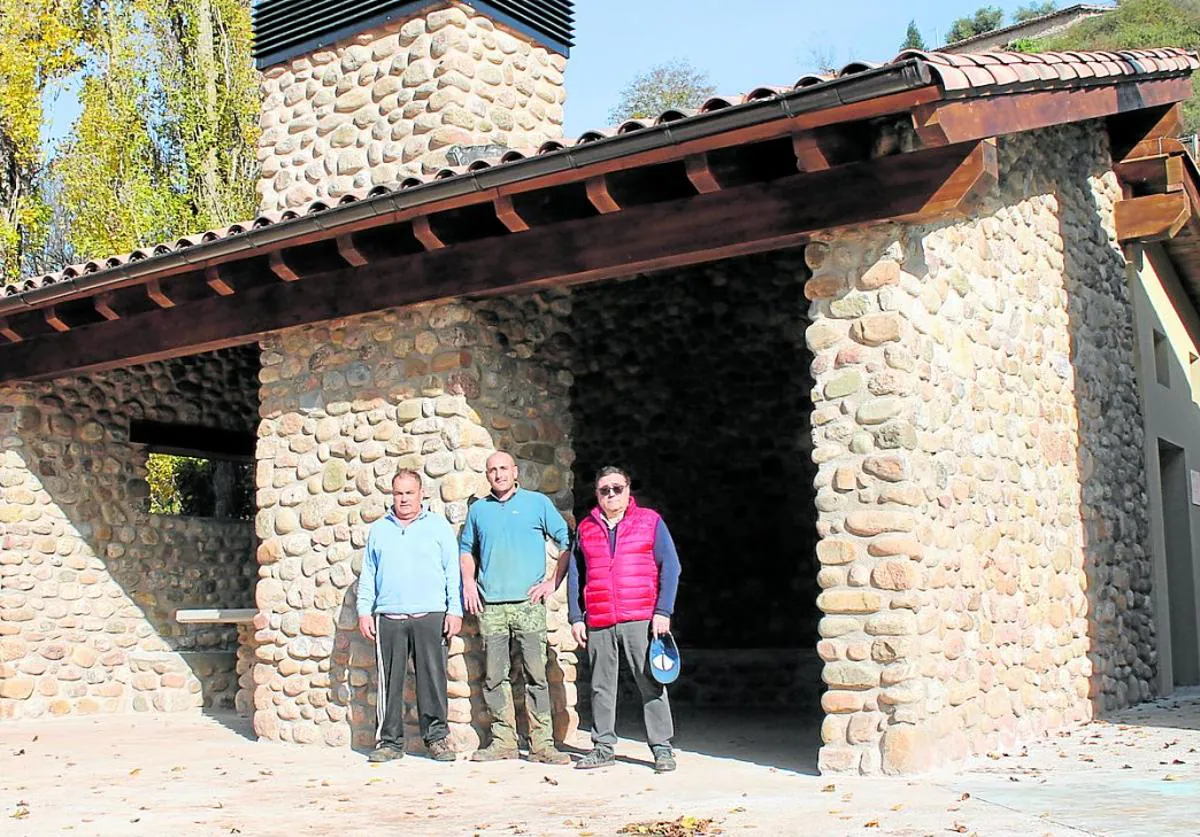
(103, 304)
(349, 251)
(738, 220)
(508, 214)
(424, 233)
(281, 268)
(219, 284)
(54, 320)
(8, 333)
(1151, 217)
(601, 198)
(155, 292)
(700, 174)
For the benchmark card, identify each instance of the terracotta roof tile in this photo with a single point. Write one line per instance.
(958, 74)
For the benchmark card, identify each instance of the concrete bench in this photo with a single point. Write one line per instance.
(212, 616)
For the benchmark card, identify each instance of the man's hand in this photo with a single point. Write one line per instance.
(579, 631)
(471, 600)
(451, 625)
(366, 627)
(660, 624)
(541, 591)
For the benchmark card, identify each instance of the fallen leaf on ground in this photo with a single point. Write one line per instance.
(682, 827)
(829, 789)
(871, 824)
(549, 780)
(898, 806)
(135, 771)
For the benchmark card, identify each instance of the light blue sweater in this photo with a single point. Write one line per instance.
(410, 569)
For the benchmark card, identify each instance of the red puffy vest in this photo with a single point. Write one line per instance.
(622, 584)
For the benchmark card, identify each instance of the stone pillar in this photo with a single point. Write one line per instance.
(977, 434)
(406, 98)
(436, 388)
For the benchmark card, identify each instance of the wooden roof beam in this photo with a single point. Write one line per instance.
(508, 215)
(700, 173)
(423, 230)
(103, 304)
(220, 284)
(54, 320)
(1151, 217)
(280, 267)
(8, 332)
(953, 121)
(1134, 134)
(600, 196)
(349, 251)
(157, 295)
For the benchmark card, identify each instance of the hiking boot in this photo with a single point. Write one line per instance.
(440, 750)
(596, 758)
(494, 752)
(664, 760)
(386, 752)
(548, 755)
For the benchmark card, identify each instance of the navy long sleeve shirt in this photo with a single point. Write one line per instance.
(665, 556)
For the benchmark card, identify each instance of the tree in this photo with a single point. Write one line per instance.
(673, 84)
(40, 43)
(912, 38)
(984, 20)
(1029, 12)
(1137, 24)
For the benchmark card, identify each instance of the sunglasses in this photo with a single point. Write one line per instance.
(610, 490)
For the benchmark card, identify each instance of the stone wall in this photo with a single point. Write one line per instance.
(697, 381)
(401, 100)
(981, 489)
(346, 403)
(89, 580)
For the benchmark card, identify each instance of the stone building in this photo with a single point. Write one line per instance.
(885, 348)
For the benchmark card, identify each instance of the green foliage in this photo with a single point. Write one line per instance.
(673, 84)
(1032, 10)
(1137, 24)
(40, 43)
(912, 37)
(185, 485)
(984, 20)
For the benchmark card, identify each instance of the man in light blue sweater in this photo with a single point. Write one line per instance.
(410, 603)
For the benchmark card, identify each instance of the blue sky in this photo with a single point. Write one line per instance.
(741, 44)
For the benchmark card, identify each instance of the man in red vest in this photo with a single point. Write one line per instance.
(621, 586)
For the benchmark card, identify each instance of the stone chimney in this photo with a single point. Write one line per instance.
(428, 86)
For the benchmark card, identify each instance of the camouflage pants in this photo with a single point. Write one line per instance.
(502, 626)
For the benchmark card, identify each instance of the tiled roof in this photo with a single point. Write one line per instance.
(978, 74)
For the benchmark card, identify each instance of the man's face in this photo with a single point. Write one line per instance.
(612, 493)
(501, 473)
(406, 497)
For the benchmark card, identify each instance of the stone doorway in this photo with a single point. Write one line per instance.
(697, 381)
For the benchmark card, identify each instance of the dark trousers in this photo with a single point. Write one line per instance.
(395, 641)
(605, 647)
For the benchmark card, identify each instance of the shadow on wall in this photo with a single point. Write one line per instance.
(91, 580)
(1113, 504)
(698, 382)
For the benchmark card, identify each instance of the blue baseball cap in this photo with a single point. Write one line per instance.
(664, 659)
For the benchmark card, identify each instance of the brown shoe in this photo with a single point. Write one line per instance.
(548, 755)
(493, 752)
(440, 750)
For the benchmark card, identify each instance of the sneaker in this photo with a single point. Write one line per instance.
(493, 752)
(664, 760)
(440, 750)
(386, 752)
(548, 755)
(596, 758)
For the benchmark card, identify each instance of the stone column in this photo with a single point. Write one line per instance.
(435, 388)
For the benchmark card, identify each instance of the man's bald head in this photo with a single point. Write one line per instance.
(502, 473)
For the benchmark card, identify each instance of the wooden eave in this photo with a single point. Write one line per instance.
(757, 188)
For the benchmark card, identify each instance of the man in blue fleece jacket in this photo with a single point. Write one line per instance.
(410, 603)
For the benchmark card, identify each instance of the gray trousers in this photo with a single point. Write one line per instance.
(604, 646)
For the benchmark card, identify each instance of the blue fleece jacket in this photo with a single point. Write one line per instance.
(410, 569)
(508, 541)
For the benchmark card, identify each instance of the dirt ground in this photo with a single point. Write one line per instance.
(1135, 773)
